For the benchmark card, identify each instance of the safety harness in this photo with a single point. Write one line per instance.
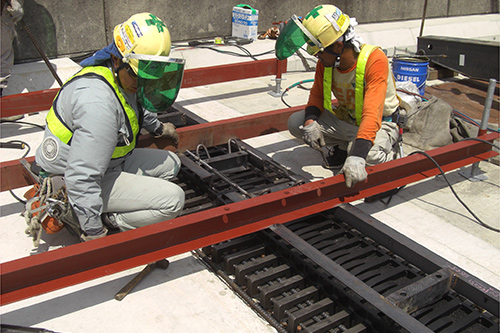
(47, 208)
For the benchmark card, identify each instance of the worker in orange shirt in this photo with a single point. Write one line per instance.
(360, 130)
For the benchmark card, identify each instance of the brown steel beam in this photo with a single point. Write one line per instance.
(26, 277)
(42, 100)
(209, 134)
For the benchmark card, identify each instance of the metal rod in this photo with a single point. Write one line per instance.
(220, 175)
(487, 107)
(42, 54)
(474, 174)
(423, 19)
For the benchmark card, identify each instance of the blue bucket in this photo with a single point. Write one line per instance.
(411, 69)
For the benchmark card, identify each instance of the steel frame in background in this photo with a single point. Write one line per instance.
(26, 277)
(36, 101)
(209, 134)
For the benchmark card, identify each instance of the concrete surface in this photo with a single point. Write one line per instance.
(188, 298)
(71, 28)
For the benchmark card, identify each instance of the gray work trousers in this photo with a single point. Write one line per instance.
(342, 134)
(142, 193)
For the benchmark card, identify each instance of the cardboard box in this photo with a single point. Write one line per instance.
(245, 21)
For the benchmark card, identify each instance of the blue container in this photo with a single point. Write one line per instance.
(411, 69)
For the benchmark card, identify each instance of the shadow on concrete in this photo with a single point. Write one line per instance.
(91, 296)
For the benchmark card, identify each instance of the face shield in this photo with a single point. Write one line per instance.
(293, 36)
(159, 80)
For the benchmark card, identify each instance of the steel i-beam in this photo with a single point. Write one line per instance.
(48, 271)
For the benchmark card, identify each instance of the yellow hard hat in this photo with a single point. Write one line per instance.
(326, 23)
(142, 33)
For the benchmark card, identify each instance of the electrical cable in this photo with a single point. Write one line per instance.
(17, 144)
(481, 223)
(481, 140)
(22, 122)
(457, 113)
(246, 52)
(292, 86)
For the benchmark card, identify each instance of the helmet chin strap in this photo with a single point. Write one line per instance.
(338, 55)
(116, 70)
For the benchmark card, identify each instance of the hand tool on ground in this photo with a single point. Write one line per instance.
(163, 264)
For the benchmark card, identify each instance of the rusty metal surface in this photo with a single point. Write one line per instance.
(468, 97)
(48, 271)
(209, 134)
(42, 100)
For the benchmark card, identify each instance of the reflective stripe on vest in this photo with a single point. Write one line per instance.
(60, 129)
(327, 88)
(366, 50)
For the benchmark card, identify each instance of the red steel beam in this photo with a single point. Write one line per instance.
(209, 134)
(48, 271)
(42, 100)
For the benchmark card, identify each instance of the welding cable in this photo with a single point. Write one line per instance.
(292, 86)
(472, 121)
(17, 144)
(481, 140)
(245, 54)
(481, 223)
(2, 121)
(455, 112)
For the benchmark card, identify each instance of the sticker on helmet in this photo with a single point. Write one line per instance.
(130, 33)
(138, 31)
(156, 22)
(125, 38)
(333, 21)
(120, 44)
(50, 148)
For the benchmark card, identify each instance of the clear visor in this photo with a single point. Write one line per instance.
(159, 80)
(292, 37)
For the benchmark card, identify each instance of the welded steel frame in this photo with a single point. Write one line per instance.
(208, 134)
(36, 101)
(26, 277)
(472, 57)
(466, 284)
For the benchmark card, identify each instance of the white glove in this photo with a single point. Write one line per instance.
(312, 135)
(354, 170)
(167, 130)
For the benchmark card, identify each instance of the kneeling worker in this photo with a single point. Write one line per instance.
(360, 130)
(93, 125)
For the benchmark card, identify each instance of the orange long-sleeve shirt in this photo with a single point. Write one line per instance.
(379, 94)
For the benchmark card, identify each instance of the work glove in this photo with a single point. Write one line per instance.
(354, 170)
(312, 135)
(167, 130)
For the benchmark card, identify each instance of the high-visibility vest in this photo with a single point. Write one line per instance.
(61, 130)
(366, 50)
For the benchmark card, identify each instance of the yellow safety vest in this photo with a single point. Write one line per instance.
(60, 129)
(366, 50)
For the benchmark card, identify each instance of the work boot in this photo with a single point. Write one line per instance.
(109, 221)
(336, 158)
